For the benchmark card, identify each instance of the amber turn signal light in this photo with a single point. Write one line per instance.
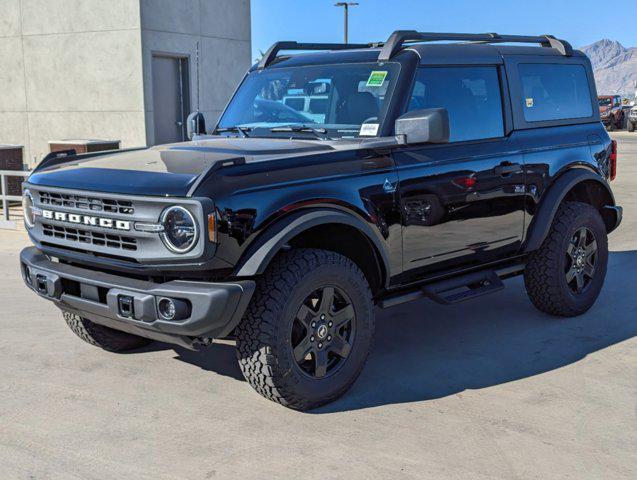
(212, 227)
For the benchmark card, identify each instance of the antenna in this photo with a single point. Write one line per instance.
(197, 62)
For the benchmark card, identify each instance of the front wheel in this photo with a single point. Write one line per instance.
(308, 330)
(101, 336)
(565, 275)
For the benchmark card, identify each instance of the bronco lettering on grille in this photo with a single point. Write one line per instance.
(86, 220)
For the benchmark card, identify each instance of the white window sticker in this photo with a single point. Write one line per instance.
(529, 102)
(368, 129)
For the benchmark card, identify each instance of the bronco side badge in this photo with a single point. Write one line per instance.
(388, 186)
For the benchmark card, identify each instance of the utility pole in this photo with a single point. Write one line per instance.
(346, 6)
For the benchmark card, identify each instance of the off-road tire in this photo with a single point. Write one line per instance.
(544, 276)
(103, 337)
(264, 346)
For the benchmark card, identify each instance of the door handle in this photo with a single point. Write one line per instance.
(507, 168)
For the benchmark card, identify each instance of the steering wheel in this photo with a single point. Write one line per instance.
(371, 119)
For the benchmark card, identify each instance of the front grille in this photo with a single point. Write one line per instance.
(87, 203)
(72, 220)
(89, 237)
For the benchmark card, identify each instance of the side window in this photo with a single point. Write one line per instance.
(471, 95)
(554, 92)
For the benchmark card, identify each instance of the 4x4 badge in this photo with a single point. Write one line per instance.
(388, 186)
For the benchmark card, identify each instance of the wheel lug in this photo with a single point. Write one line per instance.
(329, 324)
(320, 345)
(322, 317)
(329, 338)
(312, 338)
(313, 324)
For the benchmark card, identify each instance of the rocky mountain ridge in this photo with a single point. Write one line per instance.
(615, 67)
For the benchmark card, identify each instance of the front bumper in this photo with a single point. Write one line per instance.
(216, 308)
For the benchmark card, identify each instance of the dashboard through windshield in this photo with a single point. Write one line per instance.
(328, 101)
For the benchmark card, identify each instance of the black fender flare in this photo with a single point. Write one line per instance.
(542, 220)
(260, 253)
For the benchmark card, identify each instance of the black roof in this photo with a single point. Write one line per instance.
(467, 49)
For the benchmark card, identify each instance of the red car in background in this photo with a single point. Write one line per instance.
(610, 111)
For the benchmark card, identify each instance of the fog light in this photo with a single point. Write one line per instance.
(167, 308)
(173, 309)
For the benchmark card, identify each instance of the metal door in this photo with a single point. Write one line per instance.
(170, 98)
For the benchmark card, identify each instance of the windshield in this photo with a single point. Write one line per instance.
(605, 102)
(321, 100)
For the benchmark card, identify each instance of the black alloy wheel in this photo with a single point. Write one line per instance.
(581, 259)
(323, 332)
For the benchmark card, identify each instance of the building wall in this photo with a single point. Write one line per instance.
(82, 68)
(221, 29)
(71, 69)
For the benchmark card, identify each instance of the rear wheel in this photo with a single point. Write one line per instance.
(308, 330)
(565, 275)
(103, 337)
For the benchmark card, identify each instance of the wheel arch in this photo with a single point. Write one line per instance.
(576, 184)
(320, 228)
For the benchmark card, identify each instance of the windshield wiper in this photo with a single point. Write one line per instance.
(318, 132)
(242, 131)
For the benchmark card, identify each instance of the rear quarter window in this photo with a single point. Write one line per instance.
(554, 92)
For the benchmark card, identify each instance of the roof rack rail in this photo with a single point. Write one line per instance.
(400, 37)
(272, 52)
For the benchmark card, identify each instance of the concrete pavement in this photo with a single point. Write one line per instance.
(482, 390)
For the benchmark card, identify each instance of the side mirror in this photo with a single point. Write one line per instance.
(195, 125)
(430, 125)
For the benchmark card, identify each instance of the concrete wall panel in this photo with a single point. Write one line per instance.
(12, 92)
(13, 129)
(226, 19)
(182, 16)
(86, 72)
(9, 18)
(223, 64)
(66, 16)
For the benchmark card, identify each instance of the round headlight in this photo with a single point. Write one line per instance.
(27, 208)
(180, 229)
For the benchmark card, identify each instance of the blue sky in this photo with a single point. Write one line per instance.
(581, 22)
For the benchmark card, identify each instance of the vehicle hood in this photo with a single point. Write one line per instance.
(169, 170)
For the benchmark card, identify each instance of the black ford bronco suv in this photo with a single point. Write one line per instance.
(336, 181)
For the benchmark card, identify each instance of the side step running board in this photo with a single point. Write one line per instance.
(464, 287)
(456, 289)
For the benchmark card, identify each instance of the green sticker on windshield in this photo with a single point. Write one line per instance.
(376, 78)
